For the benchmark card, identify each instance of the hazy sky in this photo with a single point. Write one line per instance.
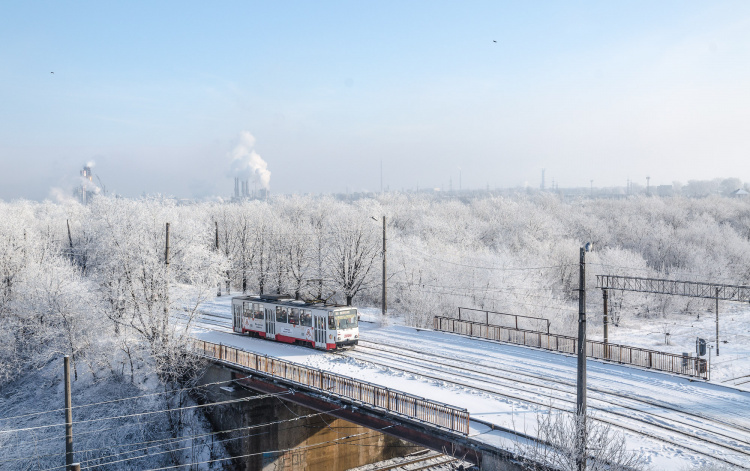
(159, 94)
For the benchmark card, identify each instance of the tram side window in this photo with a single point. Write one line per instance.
(294, 316)
(258, 308)
(331, 321)
(305, 318)
(280, 314)
(248, 311)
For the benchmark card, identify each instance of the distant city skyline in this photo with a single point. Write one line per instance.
(179, 98)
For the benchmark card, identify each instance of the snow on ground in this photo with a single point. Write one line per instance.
(108, 433)
(678, 402)
(734, 329)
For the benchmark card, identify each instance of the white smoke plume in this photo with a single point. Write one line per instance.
(247, 163)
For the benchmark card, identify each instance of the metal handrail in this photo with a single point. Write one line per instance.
(399, 403)
(652, 359)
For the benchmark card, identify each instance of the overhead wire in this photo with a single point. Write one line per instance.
(140, 414)
(487, 268)
(453, 293)
(117, 400)
(186, 438)
(314, 445)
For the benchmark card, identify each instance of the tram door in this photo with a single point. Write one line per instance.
(320, 331)
(270, 324)
(237, 308)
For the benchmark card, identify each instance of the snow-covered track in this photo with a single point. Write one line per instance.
(433, 370)
(205, 320)
(534, 380)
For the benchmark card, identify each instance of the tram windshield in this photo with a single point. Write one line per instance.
(346, 319)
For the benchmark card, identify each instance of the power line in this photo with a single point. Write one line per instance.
(487, 289)
(172, 440)
(193, 437)
(328, 442)
(230, 401)
(500, 300)
(488, 268)
(119, 400)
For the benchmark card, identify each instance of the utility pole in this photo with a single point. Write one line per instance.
(717, 322)
(581, 378)
(166, 249)
(70, 238)
(385, 298)
(166, 282)
(605, 295)
(68, 417)
(216, 247)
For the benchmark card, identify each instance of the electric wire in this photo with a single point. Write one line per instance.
(178, 449)
(555, 308)
(314, 445)
(118, 400)
(487, 268)
(511, 288)
(140, 414)
(186, 438)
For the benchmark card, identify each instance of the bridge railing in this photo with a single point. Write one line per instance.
(376, 396)
(652, 359)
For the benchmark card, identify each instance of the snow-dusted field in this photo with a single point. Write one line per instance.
(675, 422)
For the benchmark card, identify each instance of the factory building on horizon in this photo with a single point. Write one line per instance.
(242, 191)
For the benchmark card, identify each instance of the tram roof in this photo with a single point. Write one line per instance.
(288, 301)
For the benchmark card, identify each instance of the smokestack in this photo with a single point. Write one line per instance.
(236, 187)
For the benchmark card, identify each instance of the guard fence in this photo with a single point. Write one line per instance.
(375, 396)
(660, 361)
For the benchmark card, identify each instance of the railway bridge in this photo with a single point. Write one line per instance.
(390, 421)
(476, 391)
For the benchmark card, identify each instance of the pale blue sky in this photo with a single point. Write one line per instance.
(158, 95)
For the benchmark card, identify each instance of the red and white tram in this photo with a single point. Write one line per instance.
(282, 318)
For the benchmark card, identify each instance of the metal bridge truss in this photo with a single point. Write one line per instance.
(691, 289)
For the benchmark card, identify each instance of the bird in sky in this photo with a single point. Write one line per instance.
(494, 41)
(52, 73)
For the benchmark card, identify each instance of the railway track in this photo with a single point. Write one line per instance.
(564, 371)
(709, 436)
(206, 320)
(418, 461)
(533, 380)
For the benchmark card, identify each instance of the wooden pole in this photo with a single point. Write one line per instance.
(68, 416)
